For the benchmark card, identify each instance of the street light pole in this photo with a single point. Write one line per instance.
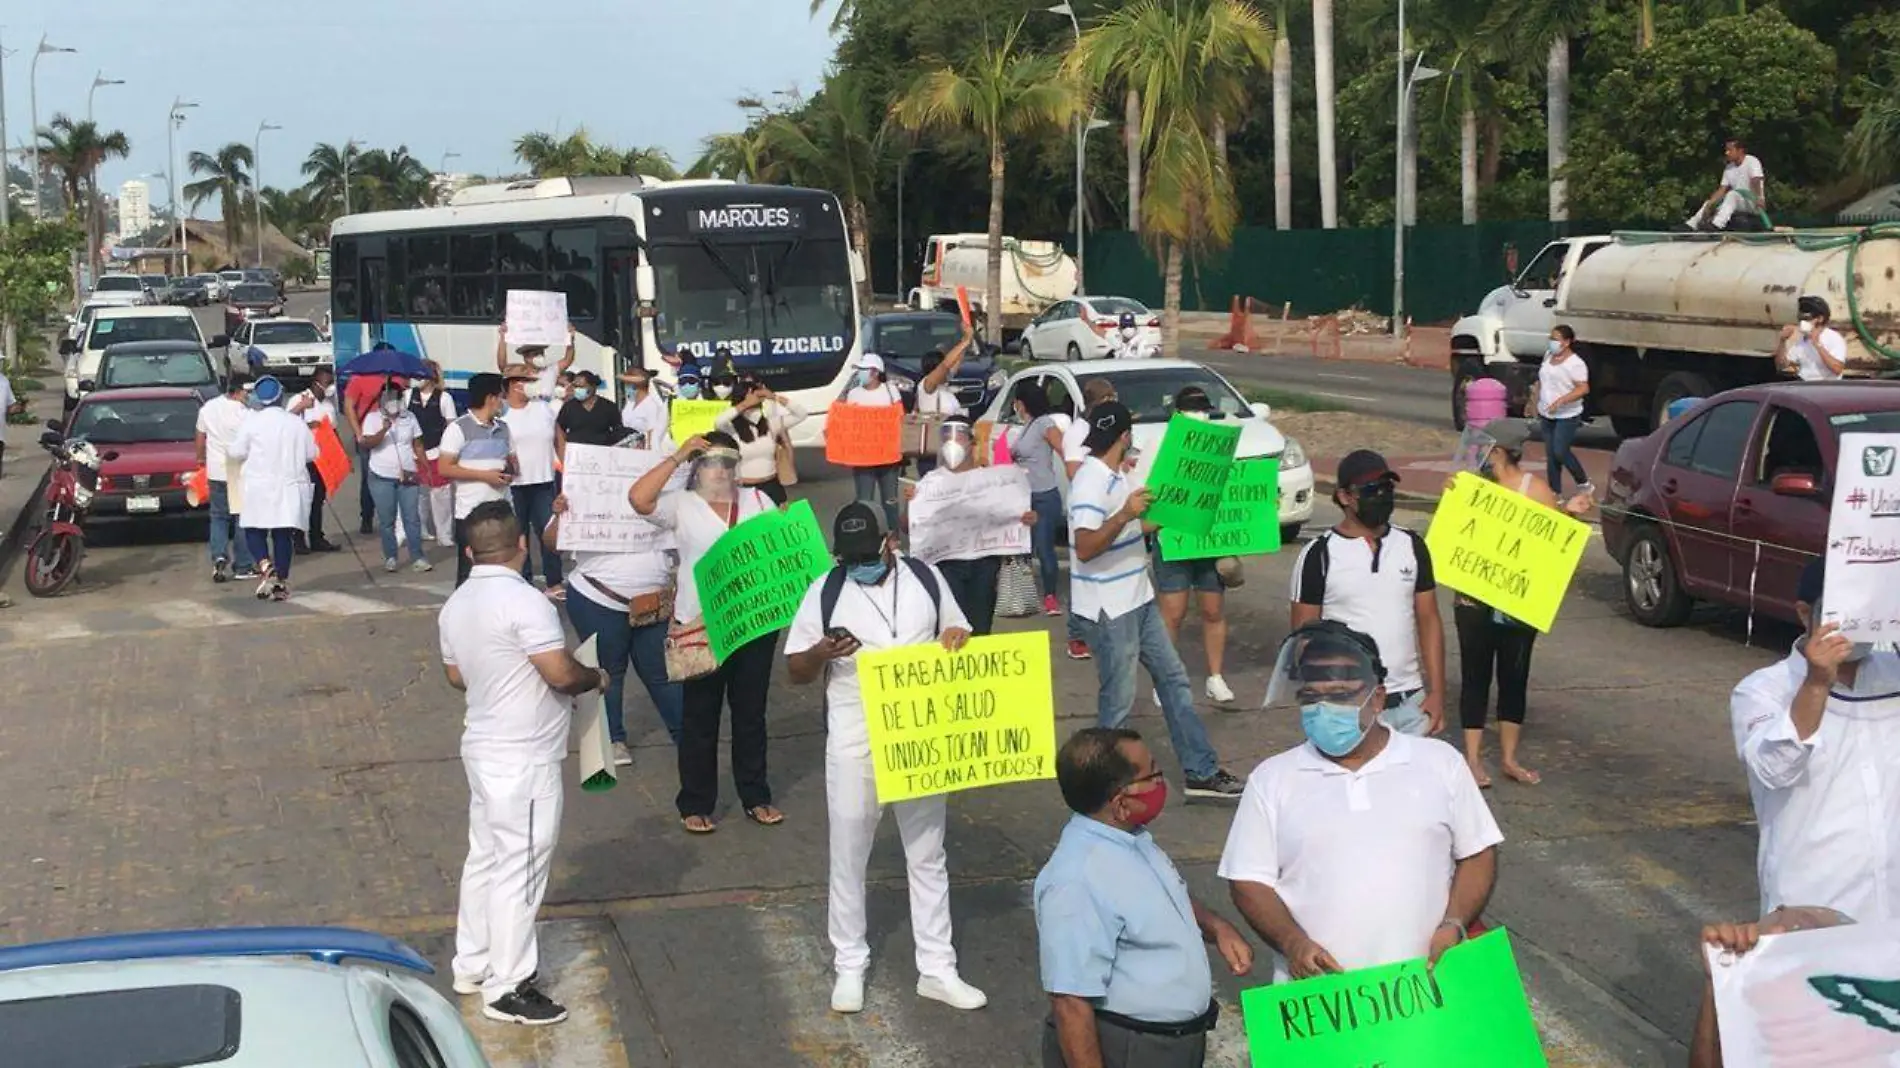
(1081, 138)
(443, 169)
(174, 119)
(1406, 85)
(257, 187)
(349, 152)
(33, 112)
(98, 80)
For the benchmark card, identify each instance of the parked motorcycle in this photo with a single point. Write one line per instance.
(52, 558)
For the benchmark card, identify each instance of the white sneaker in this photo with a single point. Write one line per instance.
(1588, 489)
(422, 565)
(847, 994)
(952, 991)
(1155, 696)
(467, 985)
(1218, 691)
(389, 565)
(622, 757)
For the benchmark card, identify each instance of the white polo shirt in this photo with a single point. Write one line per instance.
(489, 628)
(696, 526)
(1369, 585)
(1115, 583)
(647, 415)
(1363, 859)
(897, 611)
(218, 421)
(397, 453)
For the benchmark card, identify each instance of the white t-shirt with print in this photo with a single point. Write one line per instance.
(531, 427)
(218, 421)
(1556, 379)
(396, 456)
(1806, 354)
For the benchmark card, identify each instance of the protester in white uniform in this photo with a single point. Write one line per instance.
(1817, 734)
(477, 457)
(876, 599)
(316, 405)
(534, 431)
(218, 423)
(645, 411)
(1811, 349)
(394, 440)
(1126, 343)
(758, 420)
(935, 396)
(277, 452)
(1363, 846)
(1741, 199)
(434, 409)
(546, 371)
(502, 645)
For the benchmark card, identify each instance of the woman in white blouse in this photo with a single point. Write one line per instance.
(394, 440)
(757, 419)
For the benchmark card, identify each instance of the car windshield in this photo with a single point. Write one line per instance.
(286, 334)
(104, 421)
(154, 279)
(115, 329)
(256, 276)
(119, 283)
(1115, 306)
(1149, 394)
(178, 367)
(913, 338)
(206, 278)
(231, 276)
(245, 294)
(790, 291)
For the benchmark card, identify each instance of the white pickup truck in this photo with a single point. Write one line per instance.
(1661, 316)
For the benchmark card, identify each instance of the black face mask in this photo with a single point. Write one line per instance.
(1374, 507)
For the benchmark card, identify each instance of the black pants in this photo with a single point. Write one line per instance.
(973, 584)
(773, 489)
(1122, 1048)
(1485, 644)
(462, 562)
(364, 503)
(740, 683)
(318, 495)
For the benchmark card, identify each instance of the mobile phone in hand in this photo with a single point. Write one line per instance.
(839, 634)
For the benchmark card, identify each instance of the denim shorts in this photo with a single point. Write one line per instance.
(1180, 576)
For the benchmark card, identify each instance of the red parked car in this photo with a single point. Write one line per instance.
(152, 433)
(1728, 502)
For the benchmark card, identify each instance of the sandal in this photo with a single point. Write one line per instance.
(1522, 775)
(698, 824)
(765, 815)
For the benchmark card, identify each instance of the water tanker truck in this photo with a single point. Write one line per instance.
(1036, 275)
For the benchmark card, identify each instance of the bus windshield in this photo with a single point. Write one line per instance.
(774, 303)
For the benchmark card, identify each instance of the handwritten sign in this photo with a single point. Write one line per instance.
(1835, 989)
(752, 579)
(860, 435)
(596, 749)
(942, 722)
(1248, 521)
(599, 517)
(690, 418)
(333, 464)
(1469, 1011)
(537, 317)
(1190, 473)
(1863, 540)
(970, 514)
(1500, 547)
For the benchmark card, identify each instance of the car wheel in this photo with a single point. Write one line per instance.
(1023, 349)
(1289, 533)
(1675, 387)
(1651, 586)
(1075, 353)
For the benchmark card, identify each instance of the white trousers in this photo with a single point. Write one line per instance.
(438, 519)
(514, 819)
(853, 814)
(1725, 209)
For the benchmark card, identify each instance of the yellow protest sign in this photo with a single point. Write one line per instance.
(690, 418)
(1500, 547)
(942, 721)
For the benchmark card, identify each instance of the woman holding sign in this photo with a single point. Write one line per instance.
(1035, 451)
(758, 420)
(1205, 578)
(712, 503)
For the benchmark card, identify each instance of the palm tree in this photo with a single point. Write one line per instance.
(1323, 96)
(1532, 27)
(1193, 64)
(76, 149)
(293, 214)
(846, 8)
(392, 180)
(833, 143)
(651, 161)
(226, 176)
(999, 92)
(329, 170)
(1283, 123)
(733, 155)
(1873, 145)
(549, 156)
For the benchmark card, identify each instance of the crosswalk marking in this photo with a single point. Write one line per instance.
(337, 603)
(189, 614)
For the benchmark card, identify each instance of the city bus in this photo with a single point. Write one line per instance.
(656, 274)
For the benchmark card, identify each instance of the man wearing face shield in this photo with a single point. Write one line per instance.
(973, 582)
(1363, 846)
(1817, 733)
(1376, 577)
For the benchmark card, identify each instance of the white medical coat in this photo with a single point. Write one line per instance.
(277, 449)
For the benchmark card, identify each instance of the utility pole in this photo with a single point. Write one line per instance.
(257, 183)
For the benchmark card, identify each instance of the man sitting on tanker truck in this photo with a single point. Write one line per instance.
(1810, 349)
(1739, 201)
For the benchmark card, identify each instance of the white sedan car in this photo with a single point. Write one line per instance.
(1083, 328)
(1148, 387)
(287, 348)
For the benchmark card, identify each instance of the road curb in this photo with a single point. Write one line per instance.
(13, 541)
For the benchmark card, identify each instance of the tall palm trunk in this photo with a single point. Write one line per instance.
(1468, 163)
(1646, 25)
(1283, 131)
(1323, 94)
(1557, 90)
(993, 278)
(1493, 162)
(1171, 301)
(861, 240)
(1131, 140)
(1220, 139)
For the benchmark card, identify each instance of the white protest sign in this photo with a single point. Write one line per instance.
(599, 518)
(1863, 540)
(970, 514)
(1811, 998)
(536, 317)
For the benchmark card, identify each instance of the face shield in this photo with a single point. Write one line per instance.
(955, 443)
(1325, 663)
(712, 475)
(1474, 451)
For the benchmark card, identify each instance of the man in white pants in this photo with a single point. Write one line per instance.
(876, 599)
(503, 645)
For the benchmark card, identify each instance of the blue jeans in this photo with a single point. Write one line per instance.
(1140, 637)
(619, 645)
(391, 497)
(878, 485)
(1047, 504)
(1558, 436)
(534, 507)
(224, 544)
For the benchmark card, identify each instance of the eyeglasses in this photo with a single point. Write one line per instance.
(1155, 776)
(1382, 484)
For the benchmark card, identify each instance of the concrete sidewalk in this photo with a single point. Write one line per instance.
(23, 475)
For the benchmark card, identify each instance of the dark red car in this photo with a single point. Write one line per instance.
(250, 300)
(154, 433)
(1728, 502)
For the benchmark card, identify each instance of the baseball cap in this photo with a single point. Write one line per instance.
(855, 535)
(1362, 466)
(870, 362)
(1108, 421)
(1508, 434)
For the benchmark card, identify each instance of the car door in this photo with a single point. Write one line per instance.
(1777, 534)
(1528, 319)
(1695, 481)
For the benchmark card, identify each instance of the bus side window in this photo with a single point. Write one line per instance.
(343, 291)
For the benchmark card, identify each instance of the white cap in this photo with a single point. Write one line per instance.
(869, 362)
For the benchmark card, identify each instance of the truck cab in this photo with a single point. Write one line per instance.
(1505, 338)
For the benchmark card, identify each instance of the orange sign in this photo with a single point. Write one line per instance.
(963, 305)
(198, 488)
(860, 435)
(332, 462)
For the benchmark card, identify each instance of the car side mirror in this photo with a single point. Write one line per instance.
(1262, 409)
(220, 341)
(55, 426)
(1550, 302)
(88, 384)
(1795, 484)
(51, 438)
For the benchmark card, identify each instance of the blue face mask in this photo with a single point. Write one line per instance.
(1553, 347)
(866, 378)
(869, 573)
(583, 392)
(1332, 727)
(689, 390)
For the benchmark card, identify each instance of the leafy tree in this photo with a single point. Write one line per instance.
(834, 144)
(76, 149)
(391, 180)
(577, 155)
(329, 170)
(227, 176)
(35, 270)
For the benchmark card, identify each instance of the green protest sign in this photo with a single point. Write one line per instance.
(753, 578)
(1247, 523)
(1470, 1010)
(1189, 473)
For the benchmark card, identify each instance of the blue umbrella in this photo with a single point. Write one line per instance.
(389, 361)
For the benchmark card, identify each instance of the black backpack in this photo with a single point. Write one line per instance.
(834, 589)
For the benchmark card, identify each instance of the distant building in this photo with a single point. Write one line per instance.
(135, 207)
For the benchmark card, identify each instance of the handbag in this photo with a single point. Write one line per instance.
(689, 653)
(918, 436)
(1016, 589)
(1228, 568)
(787, 463)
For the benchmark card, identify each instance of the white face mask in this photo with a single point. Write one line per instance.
(391, 407)
(722, 392)
(953, 453)
(1807, 326)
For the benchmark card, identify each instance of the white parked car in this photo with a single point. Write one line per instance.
(1148, 387)
(1083, 328)
(231, 279)
(113, 326)
(215, 287)
(282, 347)
(121, 291)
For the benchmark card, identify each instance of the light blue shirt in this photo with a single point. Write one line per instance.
(1115, 926)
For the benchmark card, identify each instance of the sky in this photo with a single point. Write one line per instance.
(440, 76)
